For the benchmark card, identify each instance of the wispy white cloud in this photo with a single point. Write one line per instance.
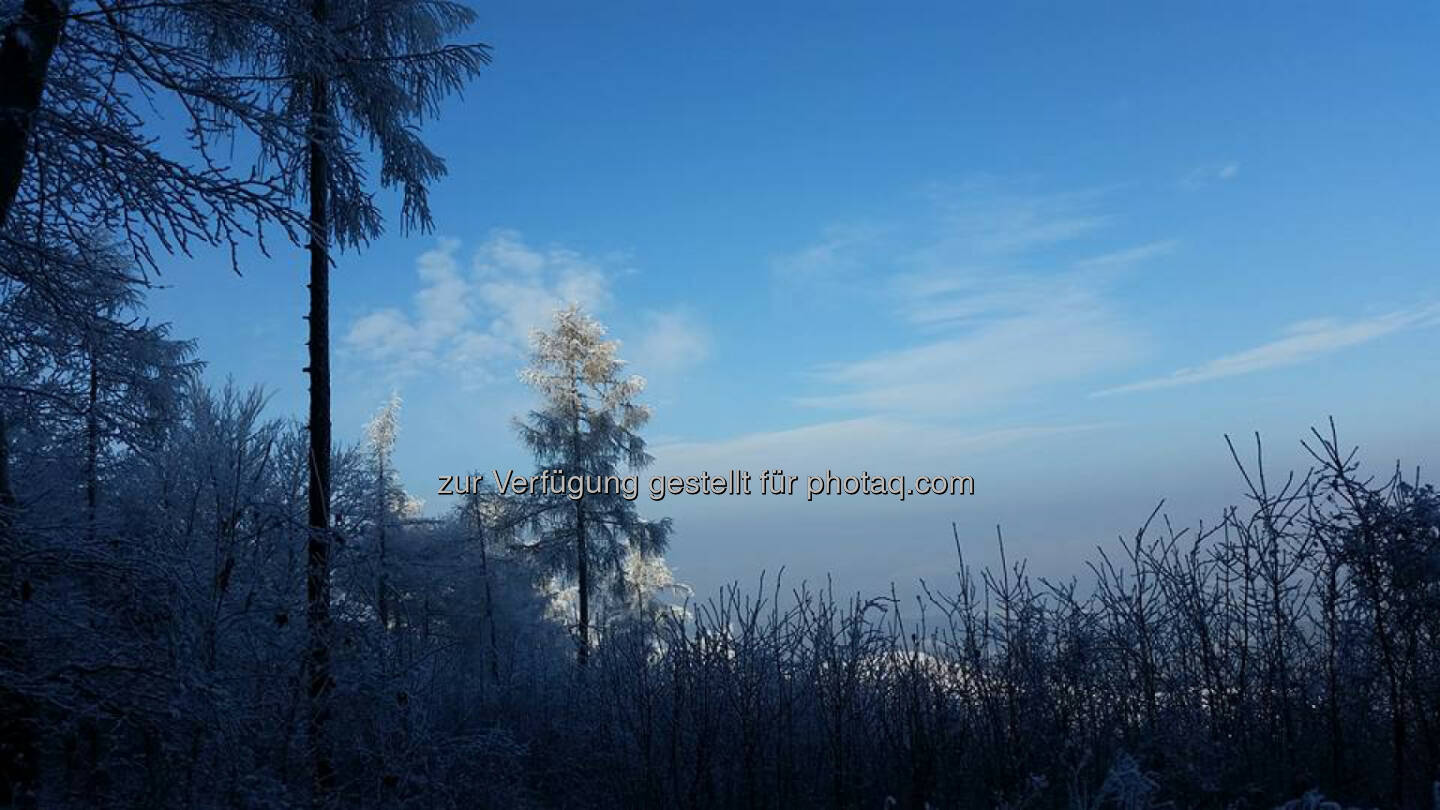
(1014, 227)
(1130, 256)
(852, 445)
(474, 323)
(521, 287)
(993, 326)
(840, 253)
(976, 225)
(984, 224)
(673, 341)
(984, 366)
(1302, 342)
(1209, 174)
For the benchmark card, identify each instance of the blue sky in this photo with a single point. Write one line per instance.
(1063, 249)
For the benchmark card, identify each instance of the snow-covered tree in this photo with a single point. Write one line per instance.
(359, 73)
(587, 426)
(380, 434)
(80, 363)
(32, 30)
(86, 87)
(650, 581)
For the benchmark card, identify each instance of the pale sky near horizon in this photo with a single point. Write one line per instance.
(1061, 248)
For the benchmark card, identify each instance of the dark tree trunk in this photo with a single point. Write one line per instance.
(382, 586)
(582, 553)
(1332, 679)
(18, 752)
(92, 449)
(317, 579)
(25, 52)
(480, 530)
(7, 494)
(583, 575)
